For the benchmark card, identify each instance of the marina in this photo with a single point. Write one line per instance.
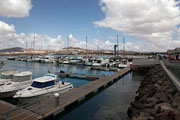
(68, 98)
(90, 60)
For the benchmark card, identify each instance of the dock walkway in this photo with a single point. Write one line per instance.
(79, 76)
(47, 108)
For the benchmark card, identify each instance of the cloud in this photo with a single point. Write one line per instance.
(5, 28)
(154, 21)
(73, 42)
(9, 38)
(15, 8)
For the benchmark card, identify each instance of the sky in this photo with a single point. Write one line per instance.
(146, 25)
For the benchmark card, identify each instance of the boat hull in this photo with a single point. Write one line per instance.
(28, 100)
(7, 94)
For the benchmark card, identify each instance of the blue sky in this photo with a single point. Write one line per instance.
(97, 19)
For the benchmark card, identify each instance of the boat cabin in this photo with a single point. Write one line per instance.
(8, 74)
(45, 81)
(22, 76)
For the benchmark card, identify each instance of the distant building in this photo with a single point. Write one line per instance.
(170, 52)
(177, 50)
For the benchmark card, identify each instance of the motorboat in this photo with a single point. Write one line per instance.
(7, 76)
(89, 62)
(35, 59)
(20, 81)
(124, 63)
(76, 60)
(42, 87)
(66, 60)
(11, 58)
(100, 62)
(48, 59)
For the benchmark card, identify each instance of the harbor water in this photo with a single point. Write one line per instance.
(110, 104)
(40, 69)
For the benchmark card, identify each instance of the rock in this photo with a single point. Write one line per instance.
(137, 105)
(167, 115)
(176, 102)
(177, 94)
(151, 102)
(162, 97)
(132, 112)
(142, 118)
(162, 107)
(177, 115)
(157, 98)
(160, 81)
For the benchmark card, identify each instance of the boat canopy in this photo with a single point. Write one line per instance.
(51, 75)
(8, 74)
(42, 84)
(23, 76)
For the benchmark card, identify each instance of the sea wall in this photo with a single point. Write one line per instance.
(157, 98)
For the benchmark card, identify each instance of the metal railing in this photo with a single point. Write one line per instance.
(169, 70)
(173, 66)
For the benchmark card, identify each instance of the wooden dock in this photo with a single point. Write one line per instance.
(104, 68)
(46, 108)
(79, 76)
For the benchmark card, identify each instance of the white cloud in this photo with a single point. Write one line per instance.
(15, 8)
(9, 38)
(154, 21)
(73, 42)
(5, 28)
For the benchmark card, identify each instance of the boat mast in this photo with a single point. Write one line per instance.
(86, 45)
(117, 46)
(26, 47)
(68, 44)
(124, 47)
(34, 43)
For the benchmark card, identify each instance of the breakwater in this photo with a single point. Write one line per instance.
(157, 99)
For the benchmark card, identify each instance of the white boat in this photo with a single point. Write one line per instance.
(76, 60)
(124, 63)
(42, 87)
(100, 62)
(89, 61)
(7, 76)
(66, 60)
(35, 59)
(48, 59)
(20, 81)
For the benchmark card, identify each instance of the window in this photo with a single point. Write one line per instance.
(42, 85)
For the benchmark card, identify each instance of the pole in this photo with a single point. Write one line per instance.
(86, 45)
(68, 44)
(117, 46)
(124, 47)
(26, 46)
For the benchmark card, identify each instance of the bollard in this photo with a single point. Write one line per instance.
(56, 100)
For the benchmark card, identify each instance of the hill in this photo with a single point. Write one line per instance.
(15, 49)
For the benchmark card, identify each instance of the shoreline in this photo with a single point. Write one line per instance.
(157, 98)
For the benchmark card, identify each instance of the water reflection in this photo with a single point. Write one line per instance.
(110, 104)
(40, 69)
